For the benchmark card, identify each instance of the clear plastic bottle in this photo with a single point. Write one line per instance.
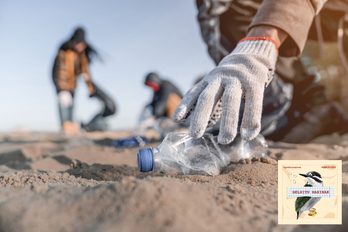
(242, 149)
(181, 154)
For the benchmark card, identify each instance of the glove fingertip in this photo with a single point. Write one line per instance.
(196, 133)
(225, 139)
(179, 113)
(179, 120)
(249, 134)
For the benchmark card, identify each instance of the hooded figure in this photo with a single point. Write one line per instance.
(166, 96)
(73, 60)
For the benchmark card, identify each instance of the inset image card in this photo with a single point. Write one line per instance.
(309, 192)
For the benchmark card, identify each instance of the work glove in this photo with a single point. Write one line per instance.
(246, 72)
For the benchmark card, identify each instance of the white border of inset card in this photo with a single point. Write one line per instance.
(286, 205)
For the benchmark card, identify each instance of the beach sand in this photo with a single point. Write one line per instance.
(54, 182)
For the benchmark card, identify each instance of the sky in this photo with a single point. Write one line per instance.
(134, 38)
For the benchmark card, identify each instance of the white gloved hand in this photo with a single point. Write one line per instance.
(244, 73)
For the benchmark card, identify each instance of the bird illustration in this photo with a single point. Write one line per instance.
(303, 204)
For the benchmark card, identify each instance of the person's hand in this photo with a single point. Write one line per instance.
(244, 73)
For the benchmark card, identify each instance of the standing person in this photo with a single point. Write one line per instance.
(253, 44)
(73, 59)
(166, 96)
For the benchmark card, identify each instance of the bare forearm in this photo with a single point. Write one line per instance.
(274, 33)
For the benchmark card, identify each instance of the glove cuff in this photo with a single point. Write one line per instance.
(257, 45)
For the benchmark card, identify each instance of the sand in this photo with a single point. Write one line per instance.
(52, 182)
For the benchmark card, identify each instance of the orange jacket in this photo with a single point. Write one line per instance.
(67, 65)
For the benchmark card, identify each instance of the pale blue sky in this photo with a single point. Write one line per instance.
(135, 37)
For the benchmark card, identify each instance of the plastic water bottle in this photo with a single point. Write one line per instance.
(181, 154)
(242, 149)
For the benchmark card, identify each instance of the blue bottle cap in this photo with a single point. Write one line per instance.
(145, 160)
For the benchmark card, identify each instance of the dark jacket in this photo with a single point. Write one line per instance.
(166, 100)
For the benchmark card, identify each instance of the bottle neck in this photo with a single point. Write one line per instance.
(156, 159)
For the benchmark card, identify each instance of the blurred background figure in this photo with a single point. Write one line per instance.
(73, 59)
(158, 114)
(155, 122)
(166, 96)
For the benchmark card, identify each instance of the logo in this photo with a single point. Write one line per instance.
(310, 192)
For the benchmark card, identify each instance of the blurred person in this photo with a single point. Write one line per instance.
(155, 122)
(73, 59)
(258, 85)
(166, 96)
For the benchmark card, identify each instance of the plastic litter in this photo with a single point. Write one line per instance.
(162, 126)
(181, 154)
(133, 141)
